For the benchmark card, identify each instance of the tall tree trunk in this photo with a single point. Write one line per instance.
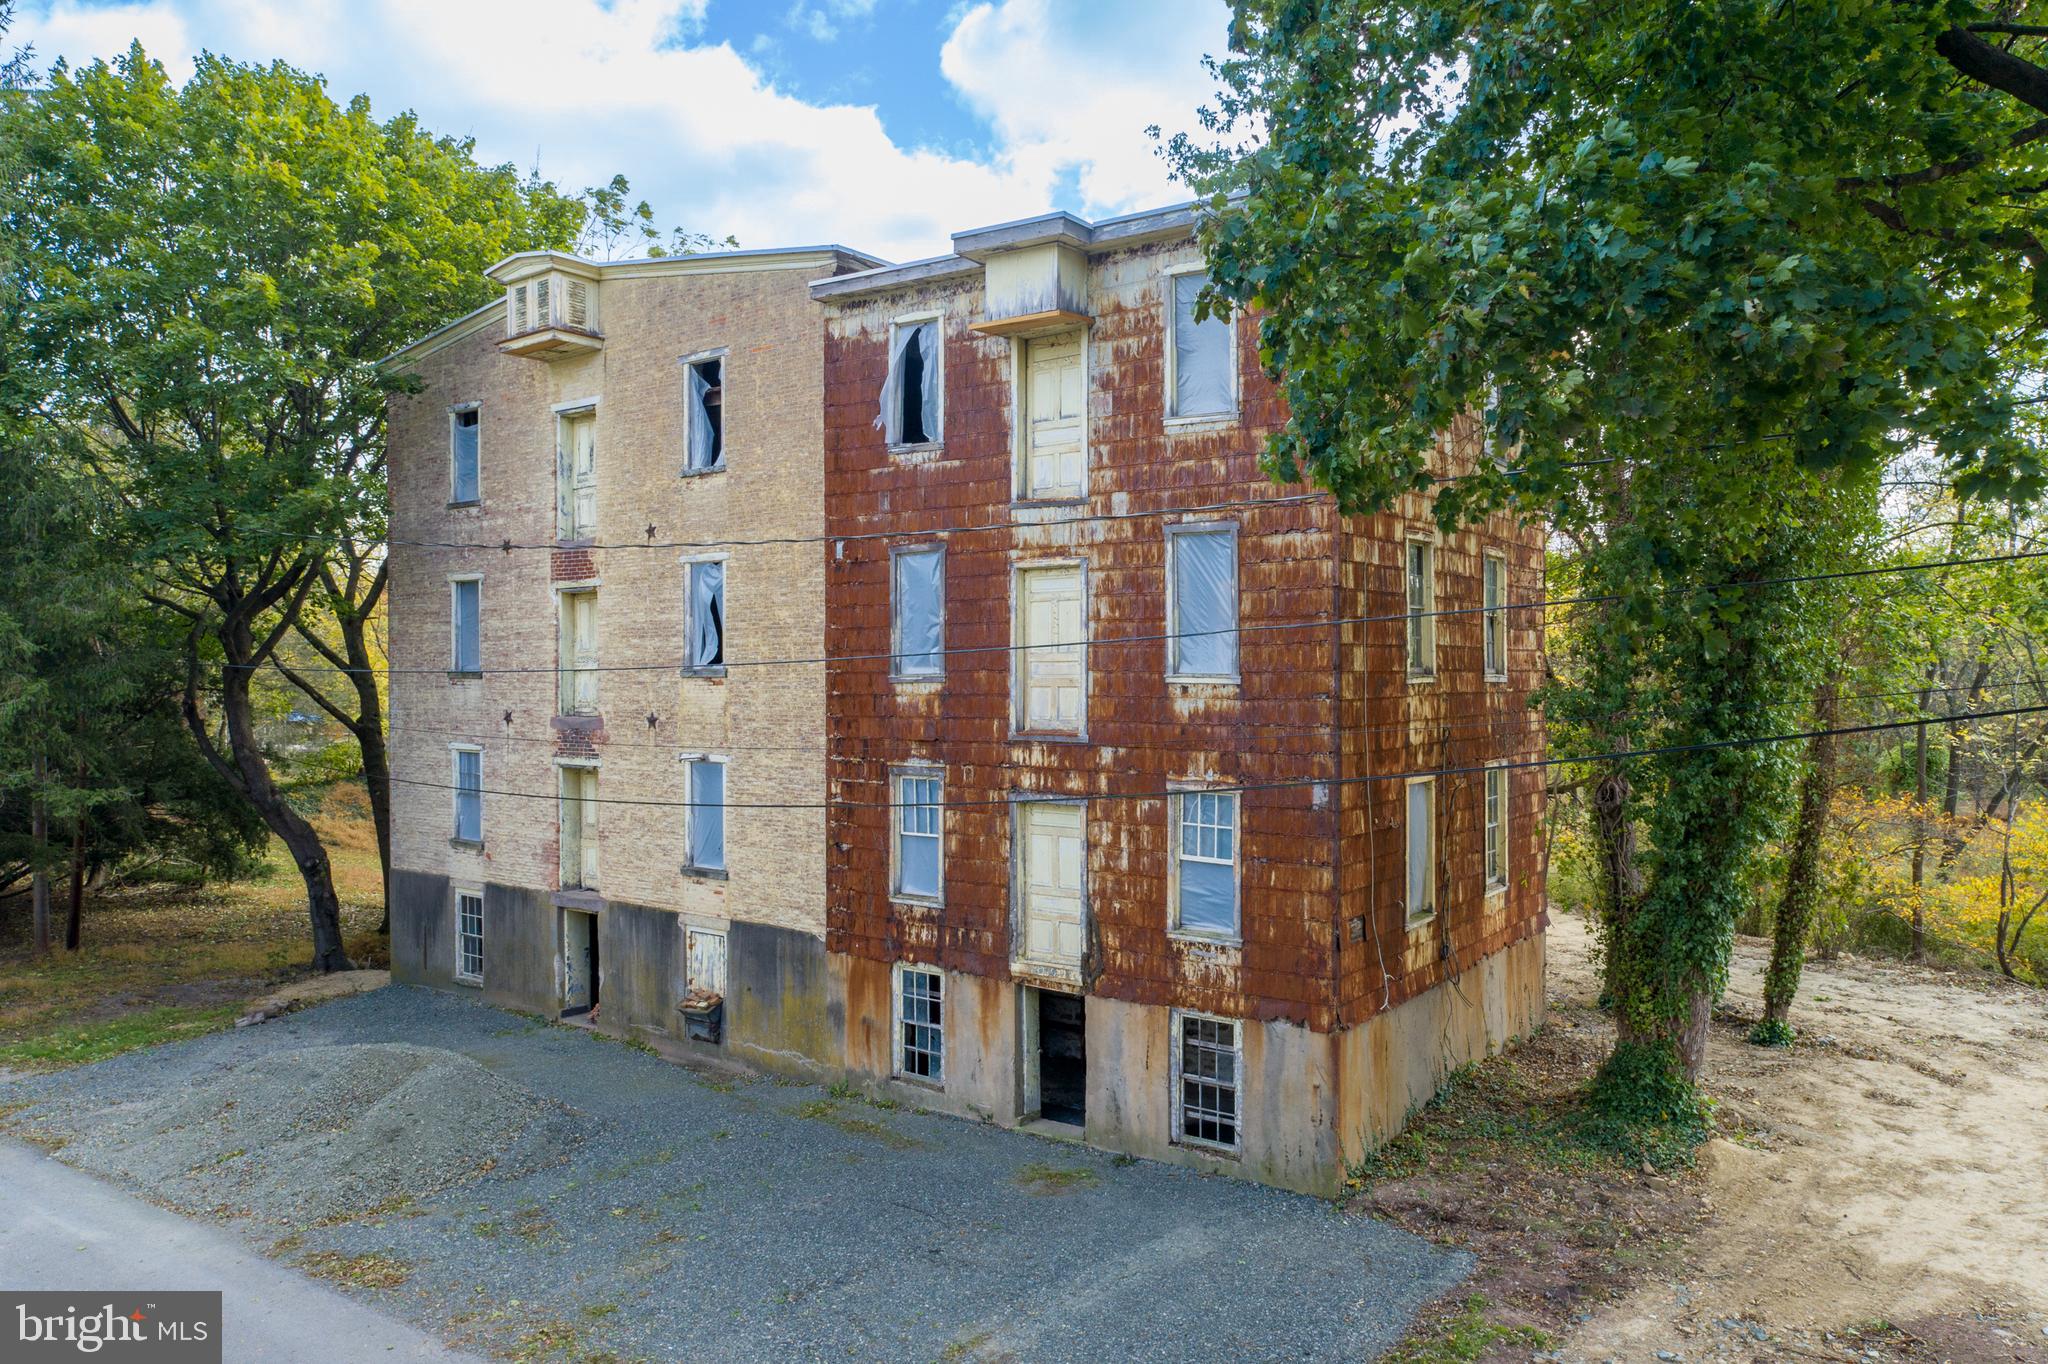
(1919, 943)
(74, 917)
(39, 876)
(1621, 879)
(1802, 872)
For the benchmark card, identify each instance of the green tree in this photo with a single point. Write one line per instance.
(1706, 269)
(215, 270)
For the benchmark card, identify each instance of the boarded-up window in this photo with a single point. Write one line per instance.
(466, 606)
(1202, 371)
(918, 835)
(911, 409)
(1494, 619)
(462, 456)
(469, 936)
(1496, 827)
(1205, 892)
(1052, 657)
(1421, 848)
(707, 814)
(920, 1023)
(917, 593)
(1202, 562)
(1206, 1072)
(704, 623)
(704, 960)
(1421, 587)
(704, 415)
(578, 692)
(579, 828)
(576, 475)
(469, 795)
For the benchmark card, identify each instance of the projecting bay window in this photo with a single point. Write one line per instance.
(704, 415)
(464, 480)
(1494, 617)
(1205, 883)
(469, 795)
(578, 827)
(1496, 829)
(920, 1024)
(1421, 899)
(1201, 594)
(917, 612)
(916, 796)
(1207, 1078)
(465, 612)
(1201, 373)
(577, 666)
(704, 822)
(1420, 578)
(469, 937)
(913, 401)
(704, 617)
(576, 474)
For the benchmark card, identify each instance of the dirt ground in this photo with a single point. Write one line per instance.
(1876, 1193)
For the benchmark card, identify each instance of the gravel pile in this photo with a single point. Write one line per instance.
(324, 1133)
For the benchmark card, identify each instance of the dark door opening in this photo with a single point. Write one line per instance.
(579, 964)
(1062, 1057)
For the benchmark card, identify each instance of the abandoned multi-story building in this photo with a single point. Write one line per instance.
(603, 477)
(907, 673)
(1169, 805)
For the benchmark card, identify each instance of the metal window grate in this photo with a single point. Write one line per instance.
(469, 934)
(1208, 1081)
(923, 1040)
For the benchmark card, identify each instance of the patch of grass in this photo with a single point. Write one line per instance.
(62, 1047)
(827, 1111)
(598, 1311)
(285, 1245)
(372, 1270)
(1463, 1336)
(965, 1347)
(1042, 1179)
(1771, 1032)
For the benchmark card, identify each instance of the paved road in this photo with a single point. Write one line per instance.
(65, 1230)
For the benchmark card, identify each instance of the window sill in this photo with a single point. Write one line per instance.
(578, 720)
(715, 672)
(1209, 1148)
(1421, 679)
(1191, 680)
(467, 844)
(1039, 736)
(935, 1086)
(465, 502)
(1025, 503)
(909, 902)
(705, 873)
(470, 982)
(1202, 421)
(917, 679)
(465, 675)
(1419, 921)
(1191, 938)
(1497, 891)
(706, 472)
(575, 542)
(1497, 679)
(921, 448)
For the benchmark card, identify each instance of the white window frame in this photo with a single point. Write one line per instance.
(1178, 1134)
(1417, 917)
(464, 976)
(455, 668)
(723, 356)
(1493, 617)
(897, 653)
(562, 671)
(1174, 532)
(1421, 660)
(1020, 672)
(1494, 819)
(690, 562)
(455, 835)
(898, 808)
(897, 1042)
(689, 762)
(1173, 420)
(454, 413)
(932, 440)
(1174, 814)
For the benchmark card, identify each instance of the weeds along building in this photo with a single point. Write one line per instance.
(597, 419)
(1171, 808)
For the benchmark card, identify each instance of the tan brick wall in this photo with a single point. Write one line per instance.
(768, 721)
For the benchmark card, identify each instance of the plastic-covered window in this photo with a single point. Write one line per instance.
(707, 616)
(463, 457)
(469, 795)
(468, 626)
(1201, 356)
(707, 815)
(706, 415)
(1204, 625)
(1208, 863)
(910, 394)
(918, 595)
(917, 836)
(1421, 848)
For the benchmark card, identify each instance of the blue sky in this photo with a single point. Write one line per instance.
(883, 124)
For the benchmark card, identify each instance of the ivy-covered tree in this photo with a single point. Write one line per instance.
(1706, 269)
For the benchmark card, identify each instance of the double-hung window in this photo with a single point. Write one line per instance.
(920, 1024)
(1205, 867)
(469, 937)
(1421, 587)
(704, 415)
(706, 822)
(913, 404)
(1496, 828)
(920, 854)
(917, 611)
(469, 795)
(704, 616)
(1202, 380)
(463, 477)
(1207, 1071)
(1494, 615)
(1421, 848)
(465, 609)
(1202, 595)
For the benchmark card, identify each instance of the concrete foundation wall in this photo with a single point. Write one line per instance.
(522, 950)
(422, 928)
(785, 1004)
(640, 978)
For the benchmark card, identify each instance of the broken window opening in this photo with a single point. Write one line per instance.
(910, 394)
(706, 416)
(1207, 1072)
(705, 628)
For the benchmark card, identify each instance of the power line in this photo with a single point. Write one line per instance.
(1295, 783)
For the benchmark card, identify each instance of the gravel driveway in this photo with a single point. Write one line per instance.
(697, 1217)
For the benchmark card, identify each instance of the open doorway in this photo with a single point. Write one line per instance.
(580, 973)
(1062, 1057)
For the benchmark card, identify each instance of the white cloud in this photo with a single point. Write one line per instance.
(588, 87)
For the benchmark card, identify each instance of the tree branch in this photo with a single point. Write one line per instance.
(1992, 65)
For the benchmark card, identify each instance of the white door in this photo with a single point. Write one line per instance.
(1054, 394)
(704, 951)
(579, 828)
(1052, 666)
(1054, 851)
(579, 475)
(579, 653)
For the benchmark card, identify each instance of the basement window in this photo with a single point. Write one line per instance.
(912, 411)
(469, 937)
(917, 611)
(1206, 1070)
(920, 1024)
(704, 416)
(704, 617)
